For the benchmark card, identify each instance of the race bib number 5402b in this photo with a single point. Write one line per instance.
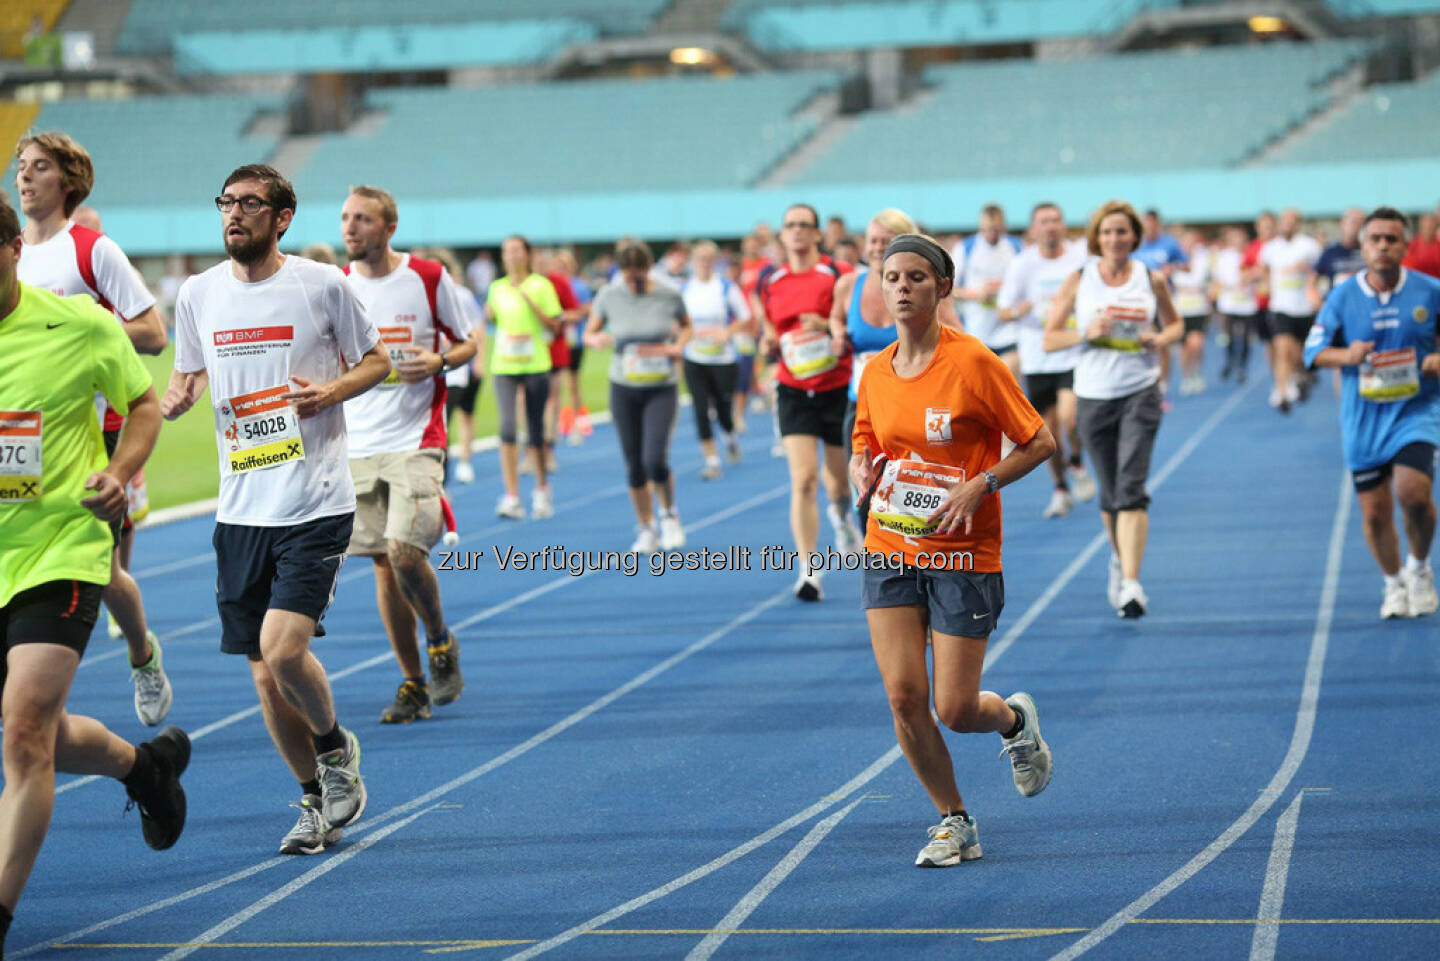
(260, 430)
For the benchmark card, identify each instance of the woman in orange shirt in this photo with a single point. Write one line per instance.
(931, 413)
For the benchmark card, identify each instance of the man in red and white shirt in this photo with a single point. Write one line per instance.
(53, 174)
(794, 303)
(397, 444)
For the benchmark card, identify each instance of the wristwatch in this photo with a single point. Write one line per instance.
(992, 483)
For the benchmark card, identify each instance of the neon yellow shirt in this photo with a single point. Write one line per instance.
(522, 341)
(58, 352)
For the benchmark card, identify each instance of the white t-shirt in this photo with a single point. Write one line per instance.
(712, 305)
(1104, 373)
(1190, 285)
(304, 321)
(394, 416)
(462, 375)
(977, 261)
(1034, 277)
(1237, 295)
(1290, 262)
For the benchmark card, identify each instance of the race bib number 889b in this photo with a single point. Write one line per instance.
(909, 492)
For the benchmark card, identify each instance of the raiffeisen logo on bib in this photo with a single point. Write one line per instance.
(251, 340)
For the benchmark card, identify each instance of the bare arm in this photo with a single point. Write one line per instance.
(1058, 335)
(311, 398)
(146, 331)
(1172, 327)
(137, 440)
(958, 509)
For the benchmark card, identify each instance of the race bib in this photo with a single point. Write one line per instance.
(861, 360)
(643, 364)
(909, 492)
(745, 344)
(1127, 322)
(1190, 303)
(260, 430)
(395, 339)
(807, 353)
(1389, 376)
(515, 348)
(710, 341)
(22, 456)
(1292, 280)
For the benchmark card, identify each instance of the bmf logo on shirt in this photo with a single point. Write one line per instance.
(937, 425)
(251, 340)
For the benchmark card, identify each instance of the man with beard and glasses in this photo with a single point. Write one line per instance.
(282, 342)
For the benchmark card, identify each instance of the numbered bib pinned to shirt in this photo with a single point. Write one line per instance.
(909, 492)
(395, 339)
(1388, 376)
(1125, 326)
(515, 348)
(646, 364)
(807, 353)
(260, 430)
(22, 456)
(710, 341)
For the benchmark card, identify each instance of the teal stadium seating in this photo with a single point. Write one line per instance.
(1388, 122)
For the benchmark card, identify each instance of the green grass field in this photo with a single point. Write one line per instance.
(183, 467)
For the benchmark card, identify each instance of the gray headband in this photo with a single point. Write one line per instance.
(927, 248)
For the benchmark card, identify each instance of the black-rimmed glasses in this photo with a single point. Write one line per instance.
(249, 204)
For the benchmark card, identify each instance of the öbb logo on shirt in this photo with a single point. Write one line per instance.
(253, 335)
(937, 425)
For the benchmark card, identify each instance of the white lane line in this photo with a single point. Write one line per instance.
(753, 898)
(1299, 745)
(325, 866)
(1272, 895)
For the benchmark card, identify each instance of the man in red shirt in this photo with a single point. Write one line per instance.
(795, 300)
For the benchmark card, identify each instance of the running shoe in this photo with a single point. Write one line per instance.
(1030, 757)
(1397, 600)
(1082, 485)
(582, 423)
(310, 834)
(162, 805)
(464, 472)
(412, 703)
(1117, 577)
(446, 681)
(112, 627)
(1420, 588)
(672, 533)
(711, 470)
(1060, 504)
(953, 840)
(777, 449)
(567, 421)
(542, 506)
(732, 446)
(807, 587)
(1133, 602)
(509, 506)
(342, 790)
(153, 694)
(646, 540)
(575, 439)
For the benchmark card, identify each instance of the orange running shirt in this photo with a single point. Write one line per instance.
(951, 415)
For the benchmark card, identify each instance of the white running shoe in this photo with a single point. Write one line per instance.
(342, 789)
(1277, 396)
(153, 694)
(1117, 575)
(1133, 602)
(1420, 587)
(1082, 485)
(509, 506)
(953, 840)
(777, 449)
(1397, 600)
(646, 540)
(1060, 504)
(464, 472)
(711, 470)
(311, 834)
(113, 628)
(847, 536)
(1030, 756)
(542, 505)
(807, 587)
(672, 532)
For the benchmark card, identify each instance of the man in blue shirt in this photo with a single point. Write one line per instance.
(1161, 252)
(1344, 258)
(1378, 327)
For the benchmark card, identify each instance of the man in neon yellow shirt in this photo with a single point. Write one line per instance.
(56, 494)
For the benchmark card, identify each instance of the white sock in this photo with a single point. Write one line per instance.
(1392, 580)
(1130, 582)
(1416, 564)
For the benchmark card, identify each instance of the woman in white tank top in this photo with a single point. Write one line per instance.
(1116, 302)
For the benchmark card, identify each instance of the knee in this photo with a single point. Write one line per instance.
(1377, 516)
(406, 559)
(635, 475)
(1414, 497)
(29, 741)
(959, 713)
(807, 485)
(910, 704)
(658, 470)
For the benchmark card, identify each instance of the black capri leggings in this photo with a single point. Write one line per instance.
(644, 419)
(712, 385)
(537, 391)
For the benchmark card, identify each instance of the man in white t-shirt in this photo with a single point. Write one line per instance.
(397, 441)
(282, 342)
(1291, 258)
(1031, 282)
(980, 262)
(53, 174)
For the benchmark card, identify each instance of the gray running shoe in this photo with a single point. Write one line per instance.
(153, 694)
(446, 681)
(1029, 754)
(310, 834)
(953, 840)
(411, 704)
(342, 790)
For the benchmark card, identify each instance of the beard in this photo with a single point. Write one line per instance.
(250, 250)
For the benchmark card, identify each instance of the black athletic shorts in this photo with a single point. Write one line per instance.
(811, 413)
(1297, 327)
(1196, 325)
(56, 612)
(291, 568)
(1043, 390)
(577, 354)
(1261, 324)
(1418, 455)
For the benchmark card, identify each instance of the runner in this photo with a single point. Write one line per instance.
(1234, 287)
(1031, 281)
(57, 492)
(1119, 302)
(53, 174)
(932, 411)
(643, 320)
(980, 263)
(1378, 327)
(573, 312)
(1191, 283)
(462, 384)
(1291, 257)
(574, 417)
(1162, 253)
(281, 342)
(397, 440)
(526, 313)
(795, 301)
(717, 308)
